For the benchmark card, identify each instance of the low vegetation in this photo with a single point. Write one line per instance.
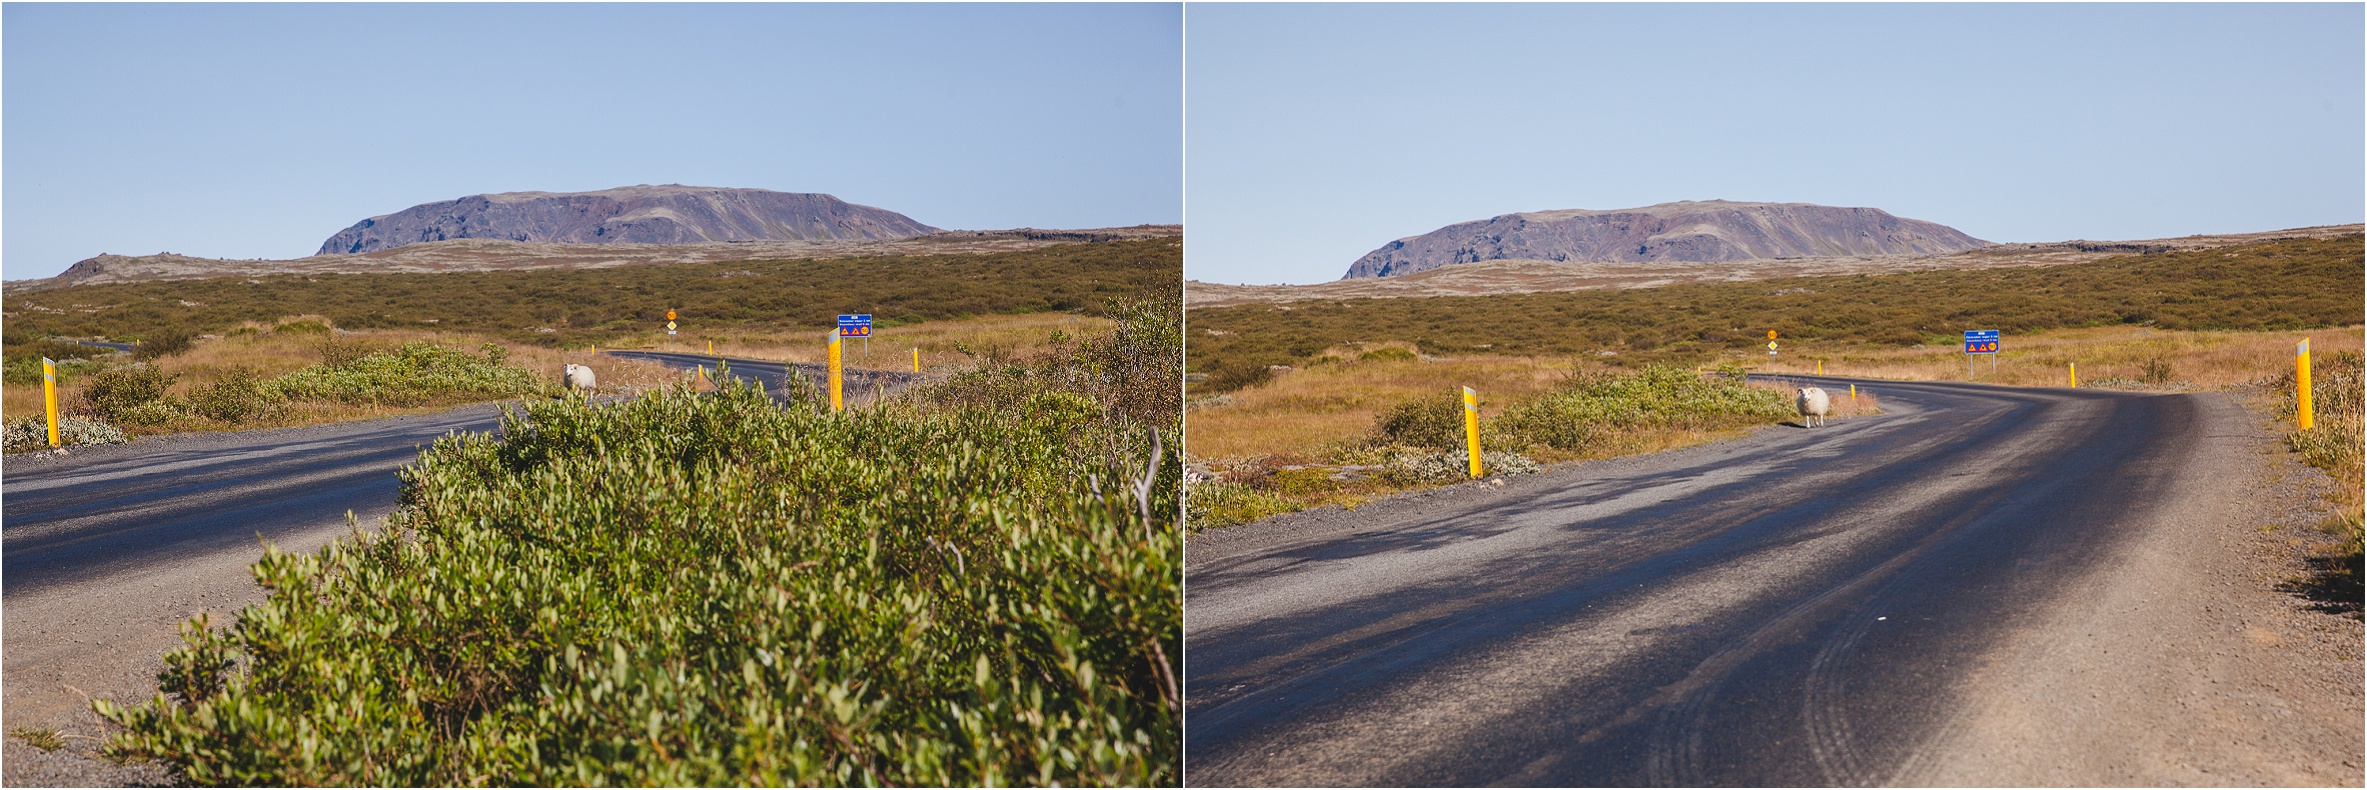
(2280, 285)
(1419, 441)
(2334, 442)
(619, 305)
(975, 583)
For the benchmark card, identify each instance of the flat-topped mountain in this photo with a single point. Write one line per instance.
(477, 255)
(669, 214)
(1687, 231)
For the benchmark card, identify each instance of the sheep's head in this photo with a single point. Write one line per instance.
(571, 368)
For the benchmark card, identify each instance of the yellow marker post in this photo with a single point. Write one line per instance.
(916, 360)
(2075, 375)
(1820, 367)
(1853, 393)
(49, 396)
(1471, 426)
(2301, 396)
(837, 399)
(710, 348)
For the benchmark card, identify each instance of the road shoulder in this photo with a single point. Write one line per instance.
(2180, 662)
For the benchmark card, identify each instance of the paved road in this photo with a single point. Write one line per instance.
(112, 510)
(1803, 607)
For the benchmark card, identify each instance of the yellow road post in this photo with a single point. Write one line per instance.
(916, 359)
(1471, 426)
(49, 396)
(1853, 394)
(1820, 367)
(2075, 375)
(837, 374)
(2301, 396)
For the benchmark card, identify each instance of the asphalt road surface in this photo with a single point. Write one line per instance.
(1981, 586)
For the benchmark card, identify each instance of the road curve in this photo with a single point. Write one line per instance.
(1803, 607)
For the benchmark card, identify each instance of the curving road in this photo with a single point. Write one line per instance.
(1849, 605)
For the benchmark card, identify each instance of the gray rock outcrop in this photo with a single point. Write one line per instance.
(1702, 231)
(670, 214)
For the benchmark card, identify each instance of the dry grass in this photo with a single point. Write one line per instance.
(271, 352)
(2113, 357)
(998, 337)
(1301, 411)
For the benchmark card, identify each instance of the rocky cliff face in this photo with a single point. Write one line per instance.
(670, 214)
(1697, 231)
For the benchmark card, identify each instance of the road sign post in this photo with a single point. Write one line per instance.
(837, 373)
(1979, 341)
(2301, 396)
(49, 396)
(1771, 342)
(1471, 426)
(856, 325)
(669, 323)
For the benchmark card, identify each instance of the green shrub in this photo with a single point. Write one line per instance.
(417, 374)
(709, 590)
(163, 343)
(235, 396)
(1589, 405)
(130, 394)
(1430, 421)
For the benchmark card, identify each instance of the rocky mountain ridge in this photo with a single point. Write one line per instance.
(1685, 231)
(668, 214)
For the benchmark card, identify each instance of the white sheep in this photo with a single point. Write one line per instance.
(579, 377)
(1814, 406)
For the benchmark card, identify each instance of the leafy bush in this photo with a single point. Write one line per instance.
(164, 343)
(709, 590)
(234, 396)
(1428, 421)
(32, 433)
(1592, 404)
(418, 373)
(130, 394)
(22, 363)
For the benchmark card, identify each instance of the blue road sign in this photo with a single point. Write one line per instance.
(1980, 341)
(858, 325)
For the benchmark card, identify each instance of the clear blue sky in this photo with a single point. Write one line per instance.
(1320, 132)
(258, 130)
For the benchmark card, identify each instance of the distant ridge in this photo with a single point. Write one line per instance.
(669, 214)
(1687, 231)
